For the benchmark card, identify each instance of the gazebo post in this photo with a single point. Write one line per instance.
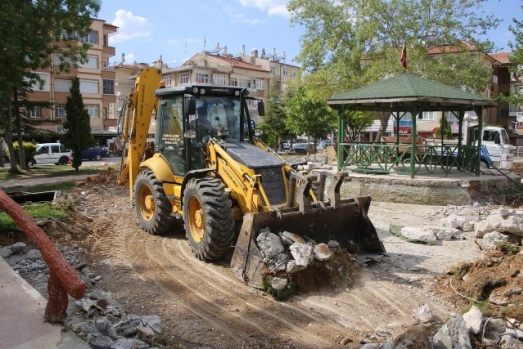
(341, 132)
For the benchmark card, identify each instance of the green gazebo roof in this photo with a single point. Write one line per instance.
(405, 91)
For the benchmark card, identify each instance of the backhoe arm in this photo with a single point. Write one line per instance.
(141, 103)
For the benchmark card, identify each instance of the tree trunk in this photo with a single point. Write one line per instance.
(384, 120)
(18, 123)
(9, 136)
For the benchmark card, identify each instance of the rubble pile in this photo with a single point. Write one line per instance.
(96, 317)
(292, 261)
(492, 225)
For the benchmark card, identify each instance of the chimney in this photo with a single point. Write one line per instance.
(123, 58)
(225, 50)
(263, 53)
(243, 49)
(254, 53)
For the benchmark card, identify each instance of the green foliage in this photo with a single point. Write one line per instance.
(306, 114)
(29, 151)
(44, 210)
(33, 33)
(282, 294)
(507, 248)
(356, 122)
(349, 44)
(275, 117)
(78, 136)
(444, 131)
(269, 136)
(516, 60)
(462, 269)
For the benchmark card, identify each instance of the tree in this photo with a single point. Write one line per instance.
(37, 35)
(275, 116)
(516, 60)
(308, 115)
(350, 44)
(356, 122)
(78, 136)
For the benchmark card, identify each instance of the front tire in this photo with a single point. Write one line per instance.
(207, 213)
(153, 209)
(64, 160)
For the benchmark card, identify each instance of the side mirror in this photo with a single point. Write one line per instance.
(258, 132)
(261, 108)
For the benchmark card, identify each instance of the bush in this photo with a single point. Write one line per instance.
(29, 151)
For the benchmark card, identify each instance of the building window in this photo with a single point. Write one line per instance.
(45, 79)
(61, 85)
(89, 86)
(91, 38)
(260, 85)
(108, 87)
(92, 62)
(233, 82)
(92, 109)
(285, 71)
(202, 78)
(167, 80)
(273, 71)
(427, 115)
(184, 78)
(36, 112)
(59, 111)
(218, 79)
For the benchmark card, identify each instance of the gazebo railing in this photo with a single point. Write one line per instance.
(431, 157)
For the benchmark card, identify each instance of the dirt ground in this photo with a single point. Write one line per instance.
(204, 305)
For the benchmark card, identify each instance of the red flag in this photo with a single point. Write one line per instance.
(404, 56)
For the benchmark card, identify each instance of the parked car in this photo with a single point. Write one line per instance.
(95, 153)
(301, 148)
(51, 153)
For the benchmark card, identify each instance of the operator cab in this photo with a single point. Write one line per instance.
(189, 116)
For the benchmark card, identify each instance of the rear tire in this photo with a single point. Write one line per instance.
(153, 209)
(98, 158)
(64, 160)
(207, 213)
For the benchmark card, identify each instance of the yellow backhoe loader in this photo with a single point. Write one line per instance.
(209, 169)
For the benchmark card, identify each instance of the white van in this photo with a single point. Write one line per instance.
(497, 142)
(51, 153)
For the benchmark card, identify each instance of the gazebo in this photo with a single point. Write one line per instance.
(400, 96)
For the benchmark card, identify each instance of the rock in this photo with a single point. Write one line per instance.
(5, 252)
(292, 267)
(270, 244)
(145, 332)
(129, 343)
(154, 322)
(491, 239)
(101, 342)
(509, 342)
(453, 334)
(279, 283)
(303, 254)
(424, 314)
(322, 252)
(473, 319)
(289, 238)
(34, 254)
(106, 328)
(19, 247)
(416, 337)
(419, 235)
(511, 223)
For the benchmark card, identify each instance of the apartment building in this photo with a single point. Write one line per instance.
(257, 73)
(97, 85)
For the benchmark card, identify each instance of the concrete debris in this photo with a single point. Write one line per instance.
(453, 334)
(270, 244)
(474, 320)
(303, 254)
(290, 238)
(322, 252)
(424, 314)
(419, 235)
(279, 283)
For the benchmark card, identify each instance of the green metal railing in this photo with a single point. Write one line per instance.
(427, 158)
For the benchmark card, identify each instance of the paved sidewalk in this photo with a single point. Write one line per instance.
(22, 323)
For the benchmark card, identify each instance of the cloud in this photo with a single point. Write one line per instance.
(272, 7)
(239, 17)
(130, 26)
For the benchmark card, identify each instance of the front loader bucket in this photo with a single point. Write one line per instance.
(345, 222)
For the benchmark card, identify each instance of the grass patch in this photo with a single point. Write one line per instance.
(41, 187)
(49, 171)
(41, 210)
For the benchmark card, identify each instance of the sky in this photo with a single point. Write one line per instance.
(178, 29)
